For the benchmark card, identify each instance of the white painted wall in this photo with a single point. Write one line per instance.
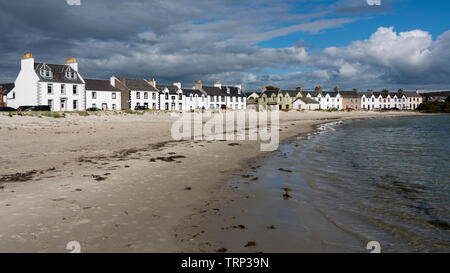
(195, 102)
(62, 101)
(103, 97)
(152, 99)
(26, 86)
(173, 101)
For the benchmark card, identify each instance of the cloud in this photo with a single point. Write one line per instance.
(216, 39)
(73, 2)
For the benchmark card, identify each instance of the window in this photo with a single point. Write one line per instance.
(71, 75)
(203, 98)
(113, 96)
(154, 96)
(75, 104)
(50, 104)
(75, 89)
(14, 95)
(145, 95)
(94, 95)
(138, 95)
(191, 97)
(63, 89)
(167, 97)
(46, 72)
(180, 96)
(146, 105)
(114, 107)
(154, 106)
(50, 89)
(173, 97)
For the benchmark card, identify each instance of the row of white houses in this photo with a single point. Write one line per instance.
(402, 100)
(63, 89)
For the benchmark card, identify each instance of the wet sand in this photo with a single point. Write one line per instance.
(119, 183)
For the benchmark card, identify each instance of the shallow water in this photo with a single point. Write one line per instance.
(384, 180)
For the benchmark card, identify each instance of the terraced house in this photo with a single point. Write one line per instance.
(171, 97)
(136, 93)
(350, 99)
(268, 100)
(101, 94)
(59, 86)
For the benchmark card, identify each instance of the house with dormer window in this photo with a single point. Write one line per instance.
(59, 86)
(171, 96)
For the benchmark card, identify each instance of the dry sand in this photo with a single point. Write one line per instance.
(97, 180)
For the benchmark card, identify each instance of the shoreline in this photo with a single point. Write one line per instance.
(98, 181)
(226, 196)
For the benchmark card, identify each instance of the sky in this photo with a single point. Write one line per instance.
(285, 43)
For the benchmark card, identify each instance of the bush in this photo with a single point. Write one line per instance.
(434, 107)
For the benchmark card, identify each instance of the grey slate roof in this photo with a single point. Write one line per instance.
(349, 94)
(172, 88)
(270, 92)
(7, 87)
(311, 93)
(332, 94)
(100, 85)
(59, 73)
(138, 84)
(234, 91)
(411, 94)
(188, 92)
(214, 91)
(291, 93)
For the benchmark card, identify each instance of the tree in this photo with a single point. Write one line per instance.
(272, 88)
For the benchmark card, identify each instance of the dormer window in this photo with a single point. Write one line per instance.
(70, 74)
(46, 72)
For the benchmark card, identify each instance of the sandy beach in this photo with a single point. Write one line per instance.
(119, 182)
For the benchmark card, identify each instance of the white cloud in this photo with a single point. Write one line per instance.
(73, 2)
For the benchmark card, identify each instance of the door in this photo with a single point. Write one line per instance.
(63, 104)
(104, 106)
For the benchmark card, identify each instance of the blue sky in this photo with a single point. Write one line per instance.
(399, 44)
(432, 16)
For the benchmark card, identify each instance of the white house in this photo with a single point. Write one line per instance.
(194, 99)
(171, 97)
(59, 86)
(305, 104)
(327, 100)
(101, 94)
(236, 99)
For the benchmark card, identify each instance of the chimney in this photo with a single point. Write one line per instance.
(298, 88)
(370, 91)
(72, 62)
(27, 61)
(217, 84)
(264, 89)
(177, 84)
(355, 90)
(239, 87)
(336, 89)
(318, 89)
(417, 91)
(112, 80)
(152, 82)
(198, 85)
